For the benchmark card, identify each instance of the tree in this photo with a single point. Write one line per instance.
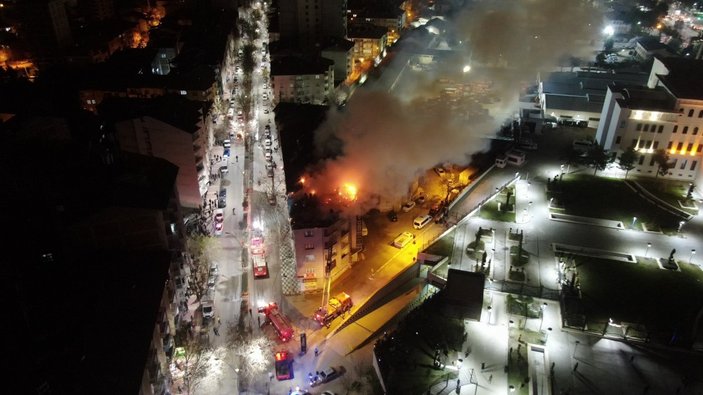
(627, 160)
(192, 358)
(661, 158)
(598, 158)
(199, 248)
(571, 157)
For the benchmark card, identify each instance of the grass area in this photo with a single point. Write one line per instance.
(523, 260)
(607, 198)
(640, 292)
(506, 213)
(443, 246)
(669, 191)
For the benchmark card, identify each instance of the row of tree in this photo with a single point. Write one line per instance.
(597, 158)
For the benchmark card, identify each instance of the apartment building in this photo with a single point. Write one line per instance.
(666, 114)
(301, 80)
(324, 240)
(168, 127)
(369, 41)
(95, 293)
(341, 53)
(311, 23)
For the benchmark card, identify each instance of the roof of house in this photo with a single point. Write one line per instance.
(685, 78)
(296, 65)
(339, 45)
(590, 103)
(464, 294)
(174, 110)
(643, 98)
(365, 30)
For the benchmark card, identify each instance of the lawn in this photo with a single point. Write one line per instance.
(669, 191)
(490, 209)
(607, 198)
(640, 292)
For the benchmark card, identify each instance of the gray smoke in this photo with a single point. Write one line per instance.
(387, 141)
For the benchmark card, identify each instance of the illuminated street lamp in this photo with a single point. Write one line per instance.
(634, 219)
(466, 69)
(680, 226)
(649, 245)
(690, 259)
(541, 318)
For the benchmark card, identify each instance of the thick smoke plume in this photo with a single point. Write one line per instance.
(387, 140)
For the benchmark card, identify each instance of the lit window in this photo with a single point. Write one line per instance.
(183, 93)
(309, 246)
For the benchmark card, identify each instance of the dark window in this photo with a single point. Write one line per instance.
(693, 165)
(661, 129)
(676, 127)
(639, 127)
(641, 159)
(690, 112)
(678, 147)
(651, 161)
(685, 130)
(671, 144)
(683, 164)
(646, 127)
(695, 130)
(649, 144)
(700, 148)
(634, 143)
(673, 164)
(690, 147)
(617, 139)
(656, 145)
(700, 115)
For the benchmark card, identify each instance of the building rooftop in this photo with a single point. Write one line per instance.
(685, 78)
(583, 83)
(296, 125)
(643, 98)
(296, 65)
(308, 211)
(365, 30)
(463, 295)
(339, 45)
(174, 110)
(590, 103)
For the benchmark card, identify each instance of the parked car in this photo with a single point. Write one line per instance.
(211, 281)
(226, 153)
(227, 144)
(208, 308)
(393, 216)
(219, 226)
(408, 206)
(214, 270)
(219, 215)
(440, 171)
(420, 199)
(224, 170)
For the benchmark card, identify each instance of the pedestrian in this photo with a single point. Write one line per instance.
(236, 158)
(214, 329)
(258, 320)
(249, 312)
(490, 379)
(232, 210)
(316, 351)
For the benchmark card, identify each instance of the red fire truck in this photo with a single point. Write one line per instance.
(283, 364)
(258, 257)
(279, 322)
(336, 306)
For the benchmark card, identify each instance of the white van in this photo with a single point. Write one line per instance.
(422, 220)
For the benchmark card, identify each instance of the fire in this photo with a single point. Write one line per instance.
(349, 191)
(302, 180)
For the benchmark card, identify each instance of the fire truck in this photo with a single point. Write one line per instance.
(336, 306)
(261, 270)
(283, 364)
(279, 322)
(258, 257)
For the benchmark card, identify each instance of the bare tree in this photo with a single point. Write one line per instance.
(193, 360)
(199, 248)
(253, 355)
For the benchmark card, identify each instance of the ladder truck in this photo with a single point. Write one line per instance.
(331, 308)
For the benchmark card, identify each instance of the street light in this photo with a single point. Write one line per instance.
(634, 219)
(690, 259)
(680, 226)
(649, 245)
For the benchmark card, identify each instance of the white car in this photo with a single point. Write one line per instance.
(267, 142)
(208, 308)
(408, 206)
(227, 143)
